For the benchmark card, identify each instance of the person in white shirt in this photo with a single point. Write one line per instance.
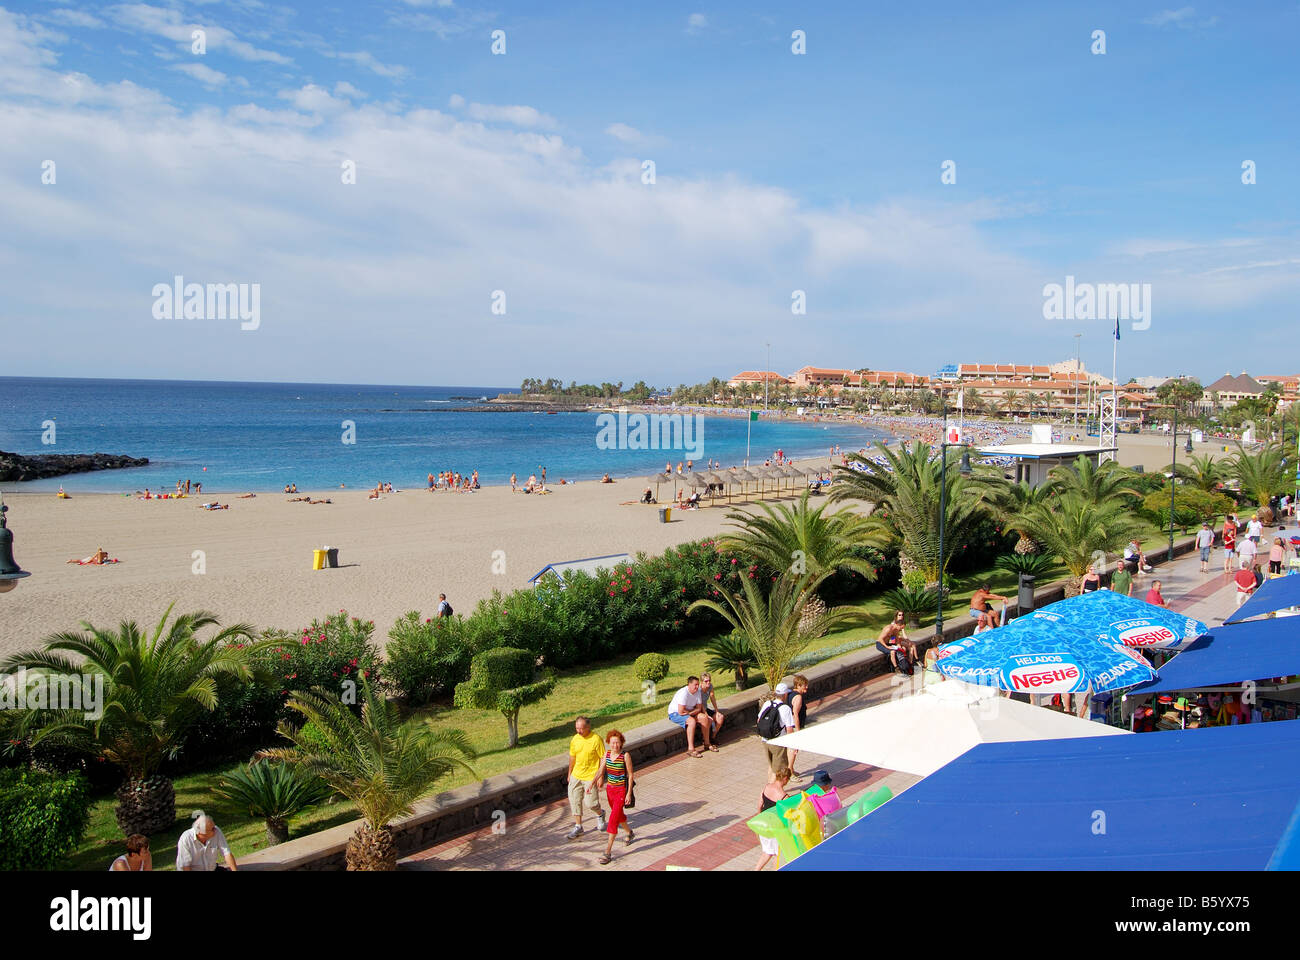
(1246, 551)
(777, 758)
(1254, 529)
(687, 711)
(1204, 541)
(200, 845)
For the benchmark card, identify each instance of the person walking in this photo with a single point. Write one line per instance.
(586, 751)
(1121, 581)
(1246, 551)
(772, 794)
(1275, 554)
(616, 777)
(1245, 581)
(775, 720)
(799, 711)
(1204, 541)
(1091, 580)
(1254, 529)
(444, 608)
(1229, 542)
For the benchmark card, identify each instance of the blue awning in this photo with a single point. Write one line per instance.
(1195, 800)
(1272, 595)
(1255, 650)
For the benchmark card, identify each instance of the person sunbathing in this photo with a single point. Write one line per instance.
(320, 501)
(247, 496)
(99, 557)
(606, 479)
(214, 505)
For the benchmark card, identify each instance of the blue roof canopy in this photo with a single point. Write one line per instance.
(1273, 595)
(1215, 799)
(1230, 654)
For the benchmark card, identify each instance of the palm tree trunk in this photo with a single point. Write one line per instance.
(277, 831)
(372, 850)
(146, 805)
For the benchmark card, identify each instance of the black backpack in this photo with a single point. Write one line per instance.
(449, 610)
(769, 721)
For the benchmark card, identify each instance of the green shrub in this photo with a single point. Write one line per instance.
(651, 666)
(1191, 506)
(1034, 564)
(426, 658)
(42, 817)
(732, 653)
(504, 679)
(913, 603)
(913, 580)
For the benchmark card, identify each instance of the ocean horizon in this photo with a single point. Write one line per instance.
(236, 436)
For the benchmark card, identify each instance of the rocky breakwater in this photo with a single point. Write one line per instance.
(16, 467)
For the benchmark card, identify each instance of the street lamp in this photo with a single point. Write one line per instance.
(964, 470)
(1173, 475)
(10, 572)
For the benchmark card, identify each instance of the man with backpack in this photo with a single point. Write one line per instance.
(444, 608)
(775, 719)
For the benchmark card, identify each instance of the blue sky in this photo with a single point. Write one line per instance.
(522, 173)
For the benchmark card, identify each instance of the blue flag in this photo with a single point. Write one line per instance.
(1117, 326)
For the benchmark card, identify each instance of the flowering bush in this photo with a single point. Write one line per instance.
(427, 657)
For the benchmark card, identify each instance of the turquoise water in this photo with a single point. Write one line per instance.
(260, 436)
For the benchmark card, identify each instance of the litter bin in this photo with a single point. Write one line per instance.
(1025, 593)
(332, 557)
(665, 514)
(318, 559)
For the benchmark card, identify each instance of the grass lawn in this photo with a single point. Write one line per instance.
(608, 692)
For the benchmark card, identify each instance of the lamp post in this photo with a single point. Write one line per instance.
(943, 512)
(10, 572)
(1173, 475)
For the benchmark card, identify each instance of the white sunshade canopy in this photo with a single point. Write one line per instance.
(918, 734)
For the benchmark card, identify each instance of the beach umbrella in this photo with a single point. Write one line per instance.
(656, 479)
(1128, 620)
(714, 480)
(921, 733)
(752, 475)
(1041, 653)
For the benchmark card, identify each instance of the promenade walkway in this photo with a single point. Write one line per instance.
(692, 812)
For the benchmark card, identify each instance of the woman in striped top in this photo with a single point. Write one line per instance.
(616, 775)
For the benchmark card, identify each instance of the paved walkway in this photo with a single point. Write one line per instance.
(692, 812)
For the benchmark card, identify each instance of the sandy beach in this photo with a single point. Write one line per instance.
(396, 554)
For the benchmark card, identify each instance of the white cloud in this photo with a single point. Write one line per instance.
(167, 23)
(345, 89)
(625, 133)
(212, 79)
(455, 101)
(314, 99)
(518, 116)
(366, 59)
(696, 22)
(73, 18)
(1183, 17)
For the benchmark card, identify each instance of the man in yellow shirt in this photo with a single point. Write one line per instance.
(586, 754)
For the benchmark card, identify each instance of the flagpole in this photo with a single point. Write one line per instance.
(749, 427)
(1114, 381)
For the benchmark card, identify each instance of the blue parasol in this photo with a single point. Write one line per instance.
(1043, 653)
(1128, 620)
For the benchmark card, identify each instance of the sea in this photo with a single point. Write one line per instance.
(256, 437)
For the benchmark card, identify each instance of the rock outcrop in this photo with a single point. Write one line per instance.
(16, 467)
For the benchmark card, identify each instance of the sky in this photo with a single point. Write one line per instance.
(417, 208)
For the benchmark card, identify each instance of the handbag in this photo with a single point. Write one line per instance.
(630, 802)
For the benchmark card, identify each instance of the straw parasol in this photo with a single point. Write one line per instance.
(714, 479)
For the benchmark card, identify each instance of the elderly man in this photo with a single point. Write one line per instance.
(200, 845)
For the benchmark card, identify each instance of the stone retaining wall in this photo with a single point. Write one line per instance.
(466, 809)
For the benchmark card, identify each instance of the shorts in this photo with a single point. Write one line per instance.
(578, 795)
(1205, 554)
(975, 613)
(771, 846)
(776, 757)
(1229, 549)
(678, 719)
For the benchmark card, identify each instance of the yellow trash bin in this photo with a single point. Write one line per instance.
(668, 514)
(318, 559)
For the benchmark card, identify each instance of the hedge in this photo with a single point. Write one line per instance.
(44, 816)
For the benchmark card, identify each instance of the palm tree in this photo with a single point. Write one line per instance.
(731, 652)
(1094, 482)
(907, 494)
(1202, 472)
(374, 760)
(1075, 528)
(273, 791)
(804, 540)
(1260, 475)
(153, 689)
(1033, 402)
(774, 623)
(1011, 502)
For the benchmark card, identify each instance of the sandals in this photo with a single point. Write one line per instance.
(712, 748)
(603, 860)
(630, 837)
(695, 753)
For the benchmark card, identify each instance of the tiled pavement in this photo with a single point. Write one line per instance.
(691, 812)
